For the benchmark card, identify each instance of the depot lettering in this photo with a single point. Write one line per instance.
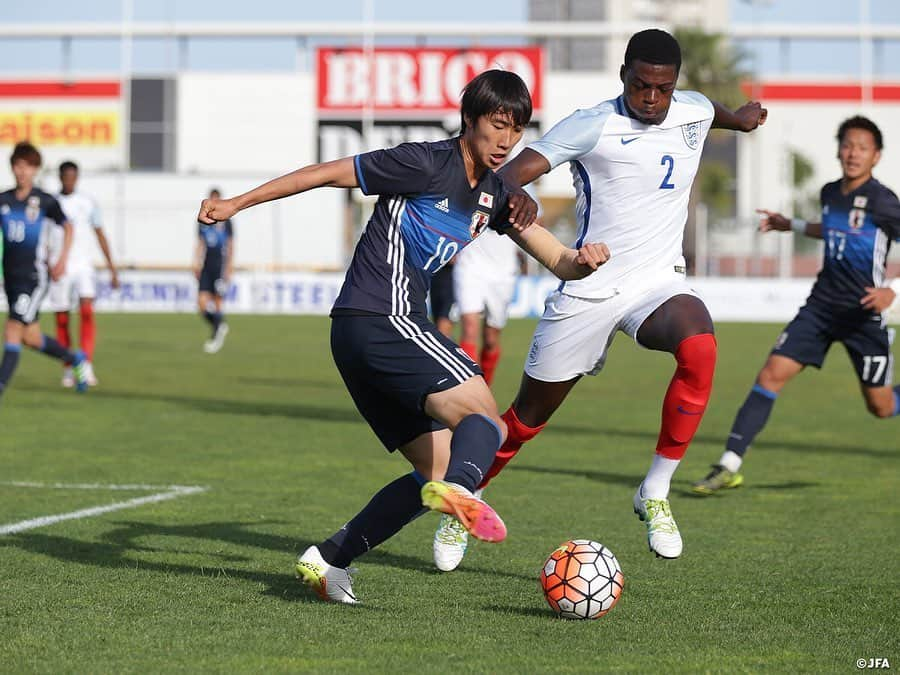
(414, 81)
(59, 128)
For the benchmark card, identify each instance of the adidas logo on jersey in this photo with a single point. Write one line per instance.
(443, 205)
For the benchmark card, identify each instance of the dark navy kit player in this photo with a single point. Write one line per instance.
(416, 388)
(847, 304)
(213, 263)
(26, 214)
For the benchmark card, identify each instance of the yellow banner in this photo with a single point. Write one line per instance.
(81, 127)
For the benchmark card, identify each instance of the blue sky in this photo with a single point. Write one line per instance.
(152, 56)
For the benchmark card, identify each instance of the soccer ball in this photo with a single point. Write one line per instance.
(582, 580)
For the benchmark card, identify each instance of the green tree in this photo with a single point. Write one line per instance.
(709, 64)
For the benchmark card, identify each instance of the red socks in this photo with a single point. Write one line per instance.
(489, 361)
(471, 349)
(688, 394)
(88, 329)
(62, 329)
(517, 434)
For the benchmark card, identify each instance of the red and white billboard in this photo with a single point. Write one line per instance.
(414, 82)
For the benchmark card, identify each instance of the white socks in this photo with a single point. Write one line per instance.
(731, 461)
(659, 477)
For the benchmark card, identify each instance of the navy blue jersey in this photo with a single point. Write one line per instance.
(216, 237)
(426, 213)
(25, 226)
(858, 229)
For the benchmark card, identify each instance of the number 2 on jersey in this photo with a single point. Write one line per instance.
(666, 185)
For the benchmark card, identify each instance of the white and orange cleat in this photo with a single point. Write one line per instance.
(476, 515)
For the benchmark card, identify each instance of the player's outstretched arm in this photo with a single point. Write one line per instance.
(521, 170)
(771, 220)
(746, 118)
(566, 263)
(338, 173)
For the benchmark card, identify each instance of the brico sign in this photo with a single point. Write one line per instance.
(414, 82)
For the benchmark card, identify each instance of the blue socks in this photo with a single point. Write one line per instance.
(11, 354)
(395, 505)
(751, 418)
(51, 347)
(475, 443)
(897, 400)
(214, 319)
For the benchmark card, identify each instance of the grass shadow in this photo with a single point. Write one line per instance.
(650, 436)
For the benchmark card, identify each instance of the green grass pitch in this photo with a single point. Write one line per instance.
(795, 572)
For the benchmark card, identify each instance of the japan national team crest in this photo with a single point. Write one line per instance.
(691, 134)
(479, 220)
(32, 207)
(858, 212)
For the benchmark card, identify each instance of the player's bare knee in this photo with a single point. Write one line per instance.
(879, 409)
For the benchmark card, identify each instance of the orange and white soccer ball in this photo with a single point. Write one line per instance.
(582, 580)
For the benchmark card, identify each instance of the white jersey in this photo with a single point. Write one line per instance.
(491, 256)
(632, 183)
(84, 215)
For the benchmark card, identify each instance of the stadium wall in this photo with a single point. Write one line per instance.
(302, 293)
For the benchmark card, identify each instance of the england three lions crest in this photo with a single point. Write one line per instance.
(691, 134)
(480, 219)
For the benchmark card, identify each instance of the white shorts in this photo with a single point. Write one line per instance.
(574, 334)
(79, 281)
(478, 293)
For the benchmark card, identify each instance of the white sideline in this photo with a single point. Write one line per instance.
(170, 492)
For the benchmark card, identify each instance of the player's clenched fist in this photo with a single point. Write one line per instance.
(215, 210)
(592, 255)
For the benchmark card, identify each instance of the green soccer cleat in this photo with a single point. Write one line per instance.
(717, 479)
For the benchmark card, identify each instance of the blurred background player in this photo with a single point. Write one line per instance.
(860, 218)
(26, 214)
(213, 265)
(441, 298)
(419, 394)
(484, 282)
(79, 282)
(633, 161)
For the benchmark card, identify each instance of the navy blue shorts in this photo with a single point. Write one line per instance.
(441, 293)
(211, 281)
(867, 340)
(24, 295)
(390, 364)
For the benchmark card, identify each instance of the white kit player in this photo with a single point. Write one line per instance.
(79, 284)
(633, 160)
(484, 281)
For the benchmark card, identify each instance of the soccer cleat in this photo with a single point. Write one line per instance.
(717, 479)
(332, 584)
(68, 378)
(450, 541)
(79, 370)
(663, 536)
(89, 374)
(475, 515)
(214, 344)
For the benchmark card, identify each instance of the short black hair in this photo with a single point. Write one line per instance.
(653, 46)
(860, 122)
(215, 190)
(496, 91)
(67, 165)
(26, 152)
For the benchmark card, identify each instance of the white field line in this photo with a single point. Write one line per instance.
(169, 492)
